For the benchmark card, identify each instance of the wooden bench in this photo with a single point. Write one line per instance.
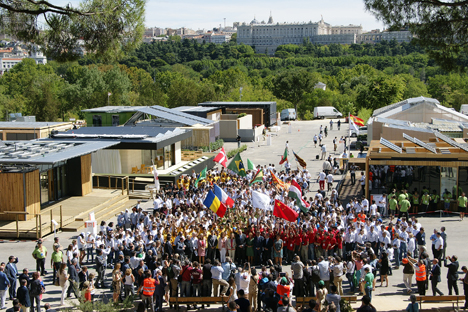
(449, 298)
(197, 300)
(300, 301)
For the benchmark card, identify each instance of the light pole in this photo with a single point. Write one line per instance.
(240, 94)
(108, 95)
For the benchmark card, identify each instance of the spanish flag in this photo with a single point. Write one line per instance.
(213, 202)
(358, 121)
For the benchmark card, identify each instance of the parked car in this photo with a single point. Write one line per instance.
(322, 112)
(362, 131)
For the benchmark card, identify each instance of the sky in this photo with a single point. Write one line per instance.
(206, 14)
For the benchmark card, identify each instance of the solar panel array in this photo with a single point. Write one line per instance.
(27, 150)
(420, 143)
(391, 145)
(449, 140)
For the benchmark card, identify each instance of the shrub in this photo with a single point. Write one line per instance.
(233, 152)
(213, 146)
(241, 115)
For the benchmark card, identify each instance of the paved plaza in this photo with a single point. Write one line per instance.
(391, 298)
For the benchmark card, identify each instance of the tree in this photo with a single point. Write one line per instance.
(441, 27)
(291, 85)
(107, 28)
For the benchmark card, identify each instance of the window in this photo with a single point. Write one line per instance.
(97, 121)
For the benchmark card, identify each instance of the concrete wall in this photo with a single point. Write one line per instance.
(228, 130)
(244, 122)
(229, 116)
(131, 158)
(178, 153)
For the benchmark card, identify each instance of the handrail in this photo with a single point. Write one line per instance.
(116, 178)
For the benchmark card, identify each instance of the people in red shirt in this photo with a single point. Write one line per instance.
(197, 275)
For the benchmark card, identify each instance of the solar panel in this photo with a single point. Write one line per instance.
(410, 150)
(448, 140)
(445, 151)
(420, 143)
(391, 145)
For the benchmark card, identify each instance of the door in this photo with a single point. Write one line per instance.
(115, 120)
(97, 121)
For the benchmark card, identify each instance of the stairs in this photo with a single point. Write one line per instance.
(103, 212)
(349, 191)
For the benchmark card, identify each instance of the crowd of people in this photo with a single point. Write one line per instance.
(182, 249)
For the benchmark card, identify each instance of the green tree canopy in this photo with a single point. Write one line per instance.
(107, 28)
(441, 27)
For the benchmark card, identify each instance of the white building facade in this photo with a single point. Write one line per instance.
(266, 37)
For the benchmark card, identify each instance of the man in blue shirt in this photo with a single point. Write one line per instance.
(4, 284)
(227, 266)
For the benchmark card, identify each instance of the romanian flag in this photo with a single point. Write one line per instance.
(215, 204)
(358, 121)
(258, 177)
(285, 212)
(301, 161)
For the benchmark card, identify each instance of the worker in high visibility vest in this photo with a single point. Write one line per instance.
(148, 287)
(421, 277)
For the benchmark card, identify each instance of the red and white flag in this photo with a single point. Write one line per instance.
(221, 158)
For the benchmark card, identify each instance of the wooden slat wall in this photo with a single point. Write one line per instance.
(11, 194)
(33, 194)
(86, 175)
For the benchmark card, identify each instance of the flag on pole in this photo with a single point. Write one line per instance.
(213, 202)
(225, 199)
(277, 181)
(261, 201)
(358, 121)
(284, 157)
(258, 177)
(301, 161)
(250, 165)
(353, 127)
(156, 178)
(296, 193)
(237, 165)
(221, 158)
(285, 212)
(201, 177)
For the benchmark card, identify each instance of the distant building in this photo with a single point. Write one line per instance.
(266, 37)
(9, 57)
(320, 85)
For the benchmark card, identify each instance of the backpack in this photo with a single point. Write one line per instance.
(315, 274)
(170, 272)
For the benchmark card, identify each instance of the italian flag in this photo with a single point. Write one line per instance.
(296, 193)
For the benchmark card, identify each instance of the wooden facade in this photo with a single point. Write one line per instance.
(380, 155)
(86, 175)
(20, 191)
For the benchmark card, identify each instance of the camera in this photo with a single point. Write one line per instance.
(282, 274)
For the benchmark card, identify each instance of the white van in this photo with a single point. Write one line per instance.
(326, 112)
(464, 109)
(288, 114)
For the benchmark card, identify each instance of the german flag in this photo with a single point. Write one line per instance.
(301, 161)
(358, 121)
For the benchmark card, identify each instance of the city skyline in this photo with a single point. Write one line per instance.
(210, 13)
